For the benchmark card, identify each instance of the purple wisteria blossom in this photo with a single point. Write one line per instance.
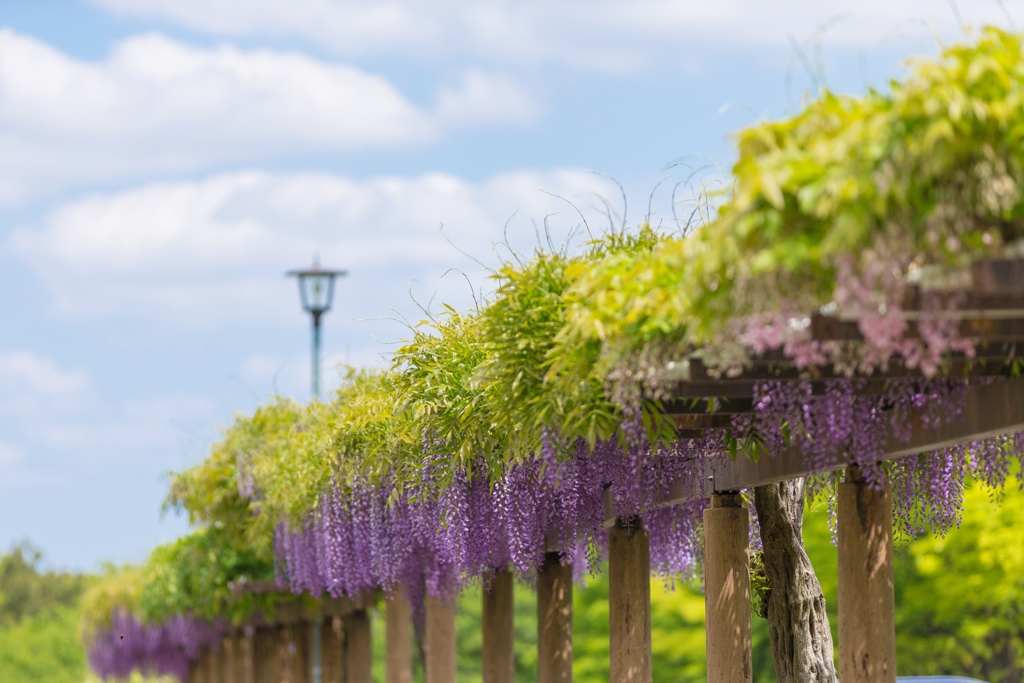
(166, 648)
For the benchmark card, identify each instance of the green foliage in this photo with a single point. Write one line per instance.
(209, 491)
(194, 574)
(39, 620)
(25, 590)
(117, 589)
(760, 588)
(43, 647)
(431, 384)
(191, 576)
(928, 174)
(960, 599)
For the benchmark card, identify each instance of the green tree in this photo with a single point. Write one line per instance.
(960, 599)
(26, 590)
(39, 618)
(43, 648)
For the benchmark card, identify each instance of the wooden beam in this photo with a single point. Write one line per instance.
(991, 410)
(694, 379)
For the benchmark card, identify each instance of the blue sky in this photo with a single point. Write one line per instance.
(164, 162)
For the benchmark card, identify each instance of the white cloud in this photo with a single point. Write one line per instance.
(44, 405)
(483, 99)
(157, 105)
(216, 249)
(32, 384)
(598, 34)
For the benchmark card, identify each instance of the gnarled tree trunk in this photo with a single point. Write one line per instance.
(798, 625)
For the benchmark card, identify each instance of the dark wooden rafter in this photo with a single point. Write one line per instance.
(989, 311)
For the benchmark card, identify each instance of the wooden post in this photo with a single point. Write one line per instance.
(198, 670)
(245, 651)
(867, 624)
(629, 602)
(264, 655)
(727, 589)
(554, 621)
(332, 647)
(227, 669)
(439, 641)
(300, 652)
(282, 669)
(398, 616)
(214, 666)
(359, 647)
(498, 626)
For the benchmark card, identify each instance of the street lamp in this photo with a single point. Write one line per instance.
(316, 288)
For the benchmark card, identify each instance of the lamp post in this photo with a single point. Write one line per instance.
(316, 288)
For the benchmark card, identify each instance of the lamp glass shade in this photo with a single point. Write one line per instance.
(316, 290)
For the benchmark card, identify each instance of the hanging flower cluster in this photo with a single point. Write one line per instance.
(360, 538)
(844, 418)
(164, 649)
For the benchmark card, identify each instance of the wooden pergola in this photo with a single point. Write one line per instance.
(334, 645)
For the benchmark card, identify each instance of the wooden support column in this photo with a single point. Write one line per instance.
(198, 670)
(439, 641)
(245, 656)
(214, 666)
(282, 670)
(301, 650)
(867, 630)
(498, 626)
(398, 616)
(270, 655)
(264, 654)
(332, 642)
(554, 621)
(228, 659)
(629, 602)
(727, 589)
(359, 648)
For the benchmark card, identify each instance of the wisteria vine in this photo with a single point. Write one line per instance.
(164, 649)
(361, 538)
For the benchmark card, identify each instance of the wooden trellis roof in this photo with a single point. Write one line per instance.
(990, 310)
